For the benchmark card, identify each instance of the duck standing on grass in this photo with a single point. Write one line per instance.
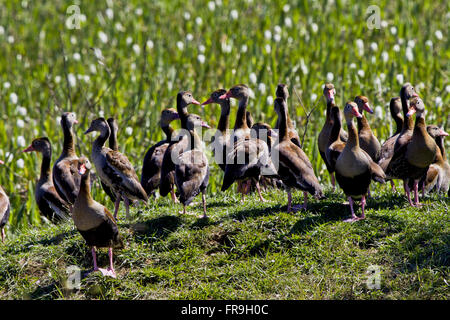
(191, 168)
(114, 169)
(94, 222)
(4, 210)
(50, 204)
(354, 167)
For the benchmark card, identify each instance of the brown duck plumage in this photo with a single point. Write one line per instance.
(283, 92)
(367, 140)
(5, 209)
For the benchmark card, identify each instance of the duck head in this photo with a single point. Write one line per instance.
(84, 165)
(216, 97)
(363, 104)
(168, 115)
(40, 145)
(329, 92)
(408, 91)
(351, 110)
(195, 121)
(68, 119)
(434, 131)
(186, 98)
(282, 91)
(98, 124)
(238, 92)
(416, 106)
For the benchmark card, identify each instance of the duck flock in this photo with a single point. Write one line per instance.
(252, 155)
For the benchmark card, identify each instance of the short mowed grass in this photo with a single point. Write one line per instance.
(248, 250)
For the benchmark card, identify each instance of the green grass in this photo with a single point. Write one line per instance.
(245, 251)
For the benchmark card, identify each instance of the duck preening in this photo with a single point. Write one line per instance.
(65, 173)
(295, 169)
(191, 168)
(5, 209)
(50, 204)
(248, 157)
(175, 148)
(114, 168)
(94, 222)
(413, 153)
(324, 135)
(151, 168)
(354, 168)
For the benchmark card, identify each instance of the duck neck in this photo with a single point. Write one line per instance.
(224, 121)
(409, 123)
(113, 140)
(168, 130)
(283, 126)
(68, 145)
(241, 117)
(85, 187)
(46, 170)
(335, 129)
(398, 123)
(182, 112)
(101, 139)
(330, 104)
(363, 124)
(353, 140)
(440, 144)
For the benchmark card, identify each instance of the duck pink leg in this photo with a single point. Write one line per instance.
(174, 198)
(407, 191)
(416, 194)
(110, 270)
(94, 258)
(127, 207)
(258, 188)
(423, 189)
(3, 235)
(354, 217)
(116, 207)
(305, 202)
(333, 181)
(363, 205)
(393, 186)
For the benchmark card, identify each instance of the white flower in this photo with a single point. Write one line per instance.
(286, 8)
(180, 45)
(244, 48)
(211, 5)
(400, 78)
(384, 23)
(109, 13)
(373, 60)
(20, 163)
(411, 43)
(429, 43)
(6, 85)
(133, 66)
(76, 56)
(267, 34)
(253, 78)
(86, 78)
(262, 88)
(379, 112)
(269, 100)
(13, 98)
(251, 94)
(187, 15)
(361, 73)
(218, 3)
(313, 97)
(201, 58)
(57, 79)
(138, 11)
(20, 141)
(438, 101)
(98, 54)
(150, 44)
(303, 66)
(10, 39)
(72, 79)
(393, 30)
(439, 34)
(21, 111)
(277, 29)
(352, 65)
(288, 22)
(382, 76)
(201, 48)
(119, 27)
(374, 46)
(198, 21)
(385, 56)
(136, 49)
(409, 54)
(73, 40)
(330, 76)
(314, 27)
(20, 123)
(396, 48)
(82, 18)
(2, 30)
(129, 40)
(360, 46)
(129, 131)
(268, 48)
(234, 14)
(447, 88)
(189, 37)
(103, 37)
(401, 40)
(92, 68)
(277, 37)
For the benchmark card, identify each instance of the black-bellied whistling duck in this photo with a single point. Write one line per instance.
(387, 148)
(248, 158)
(249, 119)
(50, 204)
(221, 137)
(335, 144)
(367, 140)
(324, 135)
(192, 169)
(114, 168)
(5, 209)
(113, 145)
(397, 141)
(295, 169)
(438, 174)
(167, 181)
(354, 167)
(65, 173)
(94, 222)
(413, 154)
(283, 92)
(151, 169)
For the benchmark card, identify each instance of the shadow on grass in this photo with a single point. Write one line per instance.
(255, 212)
(159, 227)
